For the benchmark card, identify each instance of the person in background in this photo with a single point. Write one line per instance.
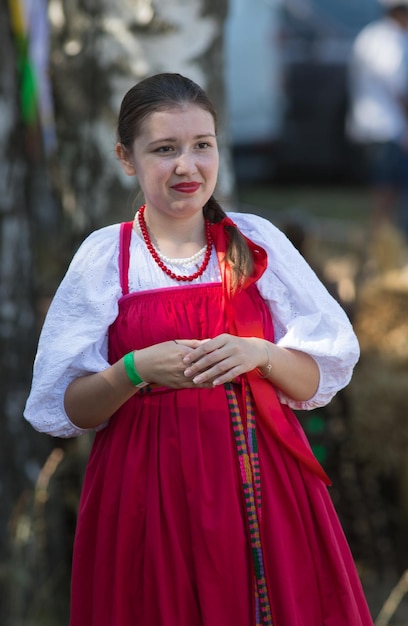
(378, 115)
(184, 338)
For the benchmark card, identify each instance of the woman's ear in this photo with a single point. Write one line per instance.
(125, 160)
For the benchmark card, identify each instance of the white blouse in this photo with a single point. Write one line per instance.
(74, 338)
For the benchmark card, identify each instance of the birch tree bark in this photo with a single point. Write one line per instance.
(100, 49)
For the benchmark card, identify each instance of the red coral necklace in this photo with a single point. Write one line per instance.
(158, 260)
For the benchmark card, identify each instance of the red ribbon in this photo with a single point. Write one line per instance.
(244, 320)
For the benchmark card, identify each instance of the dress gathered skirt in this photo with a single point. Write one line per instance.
(163, 537)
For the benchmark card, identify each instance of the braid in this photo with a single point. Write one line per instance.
(213, 211)
(238, 254)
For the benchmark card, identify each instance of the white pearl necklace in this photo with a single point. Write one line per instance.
(187, 261)
(178, 262)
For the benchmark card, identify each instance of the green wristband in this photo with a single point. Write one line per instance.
(133, 376)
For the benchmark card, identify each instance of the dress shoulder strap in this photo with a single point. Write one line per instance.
(124, 255)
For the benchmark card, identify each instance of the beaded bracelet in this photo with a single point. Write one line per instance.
(135, 379)
(268, 366)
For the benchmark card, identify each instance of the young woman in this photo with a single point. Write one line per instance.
(184, 338)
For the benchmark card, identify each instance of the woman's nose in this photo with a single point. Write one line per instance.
(186, 164)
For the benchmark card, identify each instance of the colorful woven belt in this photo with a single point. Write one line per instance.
(247, 450)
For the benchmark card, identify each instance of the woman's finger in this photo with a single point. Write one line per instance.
(224, 357)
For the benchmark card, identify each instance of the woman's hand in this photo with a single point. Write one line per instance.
(163, 363)
(92, 399)
(220, 360)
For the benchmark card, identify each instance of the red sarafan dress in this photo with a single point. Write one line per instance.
(193, 512)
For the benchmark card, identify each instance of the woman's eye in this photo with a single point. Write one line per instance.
(164, 149)
(203, 145)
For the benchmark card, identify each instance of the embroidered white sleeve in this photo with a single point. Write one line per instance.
(73, 340)
(306, 317)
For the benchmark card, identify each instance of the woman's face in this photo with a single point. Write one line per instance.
(175, 158)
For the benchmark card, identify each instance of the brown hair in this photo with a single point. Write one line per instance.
(161, 92)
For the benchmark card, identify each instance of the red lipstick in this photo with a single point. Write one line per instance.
(187, 187)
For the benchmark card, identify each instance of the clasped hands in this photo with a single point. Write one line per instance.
(190, 363)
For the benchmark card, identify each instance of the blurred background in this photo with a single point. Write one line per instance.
(279, 74)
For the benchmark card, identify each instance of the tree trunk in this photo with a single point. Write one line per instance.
(22, 451)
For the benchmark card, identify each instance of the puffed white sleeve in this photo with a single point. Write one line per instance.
(305, 316)
(73, 340)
